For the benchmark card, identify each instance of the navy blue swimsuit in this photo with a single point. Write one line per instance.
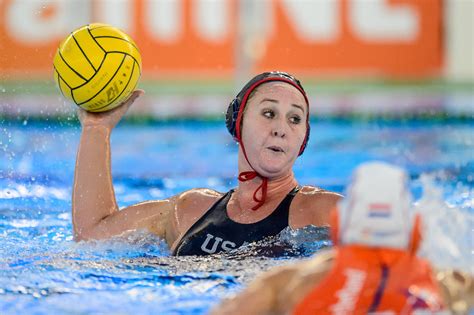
(215, 232)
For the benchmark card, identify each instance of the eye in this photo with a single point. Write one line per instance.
(268, 113)
(295, 119)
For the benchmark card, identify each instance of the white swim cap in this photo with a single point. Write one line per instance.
(376, 211)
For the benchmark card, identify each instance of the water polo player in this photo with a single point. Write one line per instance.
(269, 120)
(373, 267)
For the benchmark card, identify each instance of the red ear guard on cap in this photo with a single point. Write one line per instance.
(236, 107)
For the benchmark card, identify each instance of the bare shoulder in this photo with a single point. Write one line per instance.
(312, 270)
(309, 274)
(284, 275)
(308, 190)
(312, 206)
(197, 194)
(319, 263)
(312, 194)
(190, 205)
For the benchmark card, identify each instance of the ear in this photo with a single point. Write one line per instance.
(334, 225)
(306, 137)
(231, 117)
(416, 237)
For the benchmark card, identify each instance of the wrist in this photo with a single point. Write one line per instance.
(96, 129)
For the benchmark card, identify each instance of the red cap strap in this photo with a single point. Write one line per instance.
(245, 176)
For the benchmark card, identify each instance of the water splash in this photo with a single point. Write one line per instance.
(447, 229)
(132, 244)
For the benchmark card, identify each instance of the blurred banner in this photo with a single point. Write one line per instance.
(205, 38)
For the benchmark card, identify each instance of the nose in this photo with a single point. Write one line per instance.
(278, 133)
(278, 128)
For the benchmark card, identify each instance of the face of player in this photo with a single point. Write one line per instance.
(274, 128)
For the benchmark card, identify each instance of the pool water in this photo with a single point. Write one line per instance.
(43, 271)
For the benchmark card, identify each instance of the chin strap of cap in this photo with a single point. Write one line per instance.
(249, 175)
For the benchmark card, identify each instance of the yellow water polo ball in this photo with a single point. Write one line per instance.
(97, 67)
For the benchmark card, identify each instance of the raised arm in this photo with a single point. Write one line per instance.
(95, 212)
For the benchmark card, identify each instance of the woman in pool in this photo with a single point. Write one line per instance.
(269, 119)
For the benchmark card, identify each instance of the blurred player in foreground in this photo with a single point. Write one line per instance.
(373, 267)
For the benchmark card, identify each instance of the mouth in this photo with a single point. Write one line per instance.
(275, 149)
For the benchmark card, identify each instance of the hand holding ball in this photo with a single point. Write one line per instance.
(97, 67)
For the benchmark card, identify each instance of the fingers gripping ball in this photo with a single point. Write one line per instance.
(97, 67)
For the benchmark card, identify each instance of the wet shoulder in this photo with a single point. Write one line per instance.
(309, 274)
(192, 204)
(198, 195)
(312, 206)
